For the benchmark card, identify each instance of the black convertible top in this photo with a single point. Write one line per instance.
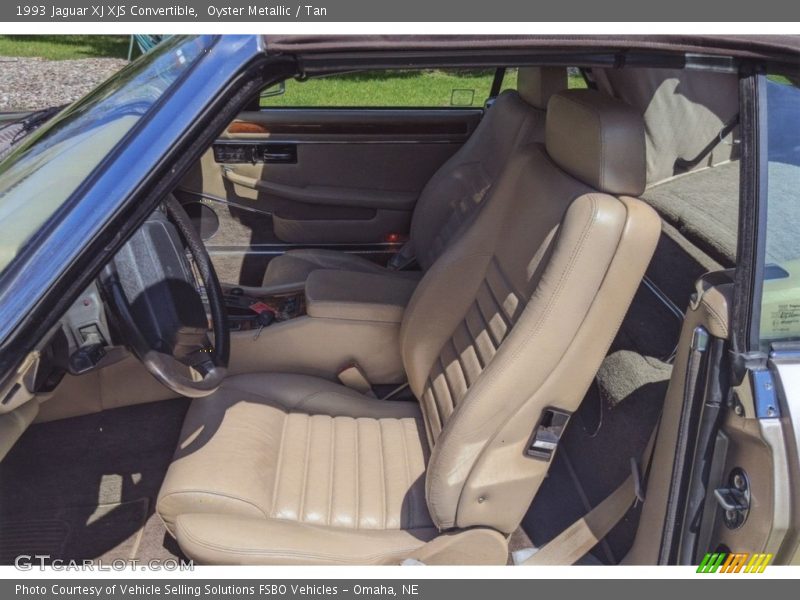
(774, 48)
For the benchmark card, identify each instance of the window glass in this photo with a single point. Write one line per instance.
(40, 175)
(780, 310)
(428, 88)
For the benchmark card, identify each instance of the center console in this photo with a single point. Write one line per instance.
(247, 312)
(341, 318)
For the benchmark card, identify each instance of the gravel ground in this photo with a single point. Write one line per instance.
(33, 83)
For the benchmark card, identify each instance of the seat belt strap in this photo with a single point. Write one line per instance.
(682, 165)
(403, 258)
(497, 82)
(584, 534)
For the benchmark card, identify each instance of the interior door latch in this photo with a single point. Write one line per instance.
(734, 499)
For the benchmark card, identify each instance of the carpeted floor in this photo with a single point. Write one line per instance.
(76, 532)
(85, 488)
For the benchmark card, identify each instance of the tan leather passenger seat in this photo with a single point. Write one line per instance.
(451, 196)
(513, 317)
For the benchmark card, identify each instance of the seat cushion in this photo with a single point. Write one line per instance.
(288, 272)
(227, 539)
(304, 452)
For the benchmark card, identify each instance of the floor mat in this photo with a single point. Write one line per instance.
(107, 532)
(109, 465)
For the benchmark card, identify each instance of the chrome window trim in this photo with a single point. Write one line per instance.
(783, 437)
(277, 140)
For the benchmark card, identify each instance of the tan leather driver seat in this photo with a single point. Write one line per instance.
(451, 196)
(513, 317)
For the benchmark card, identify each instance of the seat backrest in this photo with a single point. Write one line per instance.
(451, 197)
(517, 314)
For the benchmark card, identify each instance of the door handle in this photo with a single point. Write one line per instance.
(234, 177)
(231, 152)
(277, 156)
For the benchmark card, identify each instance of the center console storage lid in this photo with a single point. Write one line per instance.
(334, 294)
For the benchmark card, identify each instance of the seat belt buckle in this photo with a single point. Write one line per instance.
(402, 259)
(638, 487)
(353, 376)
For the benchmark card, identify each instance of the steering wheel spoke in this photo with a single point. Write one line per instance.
(152, 294)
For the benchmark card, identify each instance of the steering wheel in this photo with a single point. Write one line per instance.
(153, 300)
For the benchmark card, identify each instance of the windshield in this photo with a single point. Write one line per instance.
(39, 176)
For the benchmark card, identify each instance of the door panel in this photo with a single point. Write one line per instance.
(706, 316)
(730, 492)
(747, 460)
(342, 178)
(758, 472)
(683, 517)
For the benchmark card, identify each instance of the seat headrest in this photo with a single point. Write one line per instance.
(536, 84)
(598, 140)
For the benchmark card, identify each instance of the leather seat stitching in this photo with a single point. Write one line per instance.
(218, 494)
(288, 554)
(303, 401)
(331, 473)
(357, 519)
(551, 302)
(408, 486)
(278, 469)
(306, 457)
(715, 316)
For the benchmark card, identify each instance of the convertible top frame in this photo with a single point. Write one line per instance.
(319, 54)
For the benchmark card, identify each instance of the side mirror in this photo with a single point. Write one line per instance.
(279, 89)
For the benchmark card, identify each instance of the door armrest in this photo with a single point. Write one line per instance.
(324, 194)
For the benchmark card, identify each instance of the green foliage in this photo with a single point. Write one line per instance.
(779, 79)
(62, 47)
(428, 88)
